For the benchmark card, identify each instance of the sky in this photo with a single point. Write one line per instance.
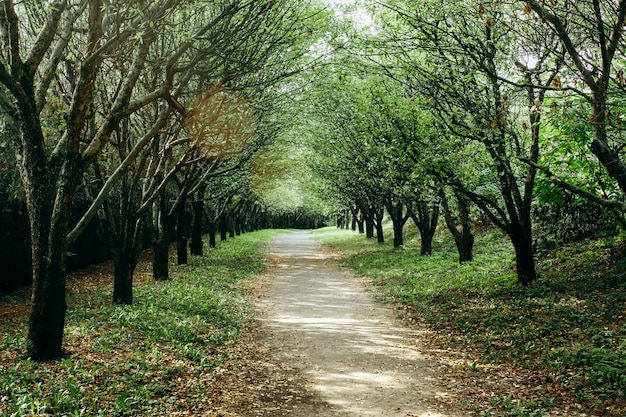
(360, 15)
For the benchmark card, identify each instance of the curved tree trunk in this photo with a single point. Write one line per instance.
(49, 185)
(461, 231)
(426, 221)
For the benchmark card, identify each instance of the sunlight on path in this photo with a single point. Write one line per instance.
(349, 348)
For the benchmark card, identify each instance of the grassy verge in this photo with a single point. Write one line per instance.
(566, 332)
(160, 356)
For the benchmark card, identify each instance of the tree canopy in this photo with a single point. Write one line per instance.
(149, 120)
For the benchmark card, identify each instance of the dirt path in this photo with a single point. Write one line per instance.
(323, 347)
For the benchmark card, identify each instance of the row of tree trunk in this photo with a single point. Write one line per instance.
(368, 220)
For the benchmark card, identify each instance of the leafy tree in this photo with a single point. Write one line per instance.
(74, 49)
(591, 33)
(462, 64)
(50, 167)
(349, 157)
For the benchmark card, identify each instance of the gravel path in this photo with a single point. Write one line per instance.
(333, 350)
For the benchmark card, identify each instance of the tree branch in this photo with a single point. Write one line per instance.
(620, 205)
(45, 37)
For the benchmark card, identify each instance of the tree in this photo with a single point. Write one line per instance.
(88, 37)
(345, 141)
(49, 173)
(461, 64)
(591, 33)
(460, 228)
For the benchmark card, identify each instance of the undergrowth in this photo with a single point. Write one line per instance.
(567, 329)
(159, 356)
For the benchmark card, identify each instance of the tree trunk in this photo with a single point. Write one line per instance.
(238, 228)
(426, 240)
(524, 258)
(125, 248)
(462, 232)
(212, 234)
(398, 238)
(47, 317)
(395, 208)
(380, 235)
(378, 221)
(231, 227)
(160, 254)
(49, 226)
(123, 281)
(48, 186)
(181, 234)
(465, 245)
(160, 260)
(223, 228)
(369, 227)
(360, 224)
(196, 245)
(426, 221)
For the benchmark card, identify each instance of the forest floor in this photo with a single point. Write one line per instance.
(323, 344)
(317, 341)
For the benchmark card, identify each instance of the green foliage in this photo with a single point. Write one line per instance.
(515, 408)
(155, 357)
(567, 218)
(411, 277)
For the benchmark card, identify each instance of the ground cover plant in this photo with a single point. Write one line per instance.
(160, 356)
(557, 347)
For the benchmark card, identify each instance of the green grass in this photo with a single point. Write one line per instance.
(567, 329)
(155, 357)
